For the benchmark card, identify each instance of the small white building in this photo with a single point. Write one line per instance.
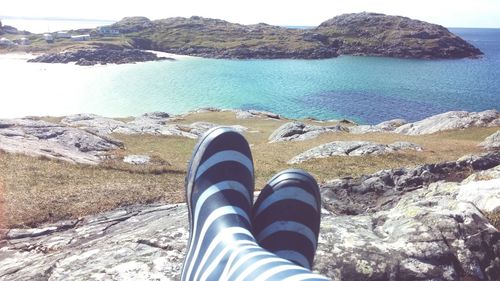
(6, 42)
(83, 37)
(63, 34)
(48, 37)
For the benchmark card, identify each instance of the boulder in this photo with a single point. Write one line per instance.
(137, 159)
(352, 148)
(386, 126)
(298, 131)
(492, 142)
(55, 141)
(451, 121)
(432, 233)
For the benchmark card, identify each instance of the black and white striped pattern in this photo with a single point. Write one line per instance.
(286, 216)
(219, 188)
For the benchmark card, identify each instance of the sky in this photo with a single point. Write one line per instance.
(449, 13)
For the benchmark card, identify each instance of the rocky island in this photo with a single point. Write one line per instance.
(360, 34)
(102, 54)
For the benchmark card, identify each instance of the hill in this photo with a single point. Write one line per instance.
(366, 34)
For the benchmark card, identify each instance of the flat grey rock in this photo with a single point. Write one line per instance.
(137, 159)
(247, 114)
(433, 233)
(352, 148)
(451, 121)
(492, 142)
(155, 123)
(55, 141)
(384, 127)
(298, 131)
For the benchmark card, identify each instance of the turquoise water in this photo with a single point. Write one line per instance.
(366, 89)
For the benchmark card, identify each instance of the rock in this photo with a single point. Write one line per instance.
(451, 121)
(382, 190)
(92, 122)
(141, 243)
(428, 234)
(137, 159)
(55, 141)
(101, 54)
(199, 128)
(404, 145)
(492, 142)
(298, 131)
(242, 114)
(386, 126)
(156, 115)
(247, 114)
(351, 148)
(156, 123)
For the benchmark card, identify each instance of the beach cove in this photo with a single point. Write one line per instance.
(364, 89)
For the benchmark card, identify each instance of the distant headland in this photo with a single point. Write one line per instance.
(360, 34)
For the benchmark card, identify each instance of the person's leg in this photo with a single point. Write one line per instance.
(219, 189)
(286, 216)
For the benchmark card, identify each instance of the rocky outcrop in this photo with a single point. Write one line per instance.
(384, 127)
(492, 142)
(248, 114)
(142, 243)
(298, 131)
(371, 34)
(383, 190)
(7, 29)
(433, 233)
(102, 55)
(156, 123)
(352, 148)
(451, 120)
(54, 141)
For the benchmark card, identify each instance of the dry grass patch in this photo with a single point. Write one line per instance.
(494, 218)
(39, 190)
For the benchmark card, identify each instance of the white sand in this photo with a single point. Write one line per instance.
(170, 55)
(18, 56)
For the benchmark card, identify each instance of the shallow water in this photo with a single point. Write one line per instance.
(365, 89)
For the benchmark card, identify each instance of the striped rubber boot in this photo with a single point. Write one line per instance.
(286, 216)
(219, 191)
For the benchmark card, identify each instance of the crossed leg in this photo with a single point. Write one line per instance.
(219, 191)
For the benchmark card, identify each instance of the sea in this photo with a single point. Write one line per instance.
(364, 89)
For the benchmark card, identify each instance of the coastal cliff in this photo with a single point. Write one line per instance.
(366, 34)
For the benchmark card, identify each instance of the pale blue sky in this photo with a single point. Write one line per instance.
(457, 13)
